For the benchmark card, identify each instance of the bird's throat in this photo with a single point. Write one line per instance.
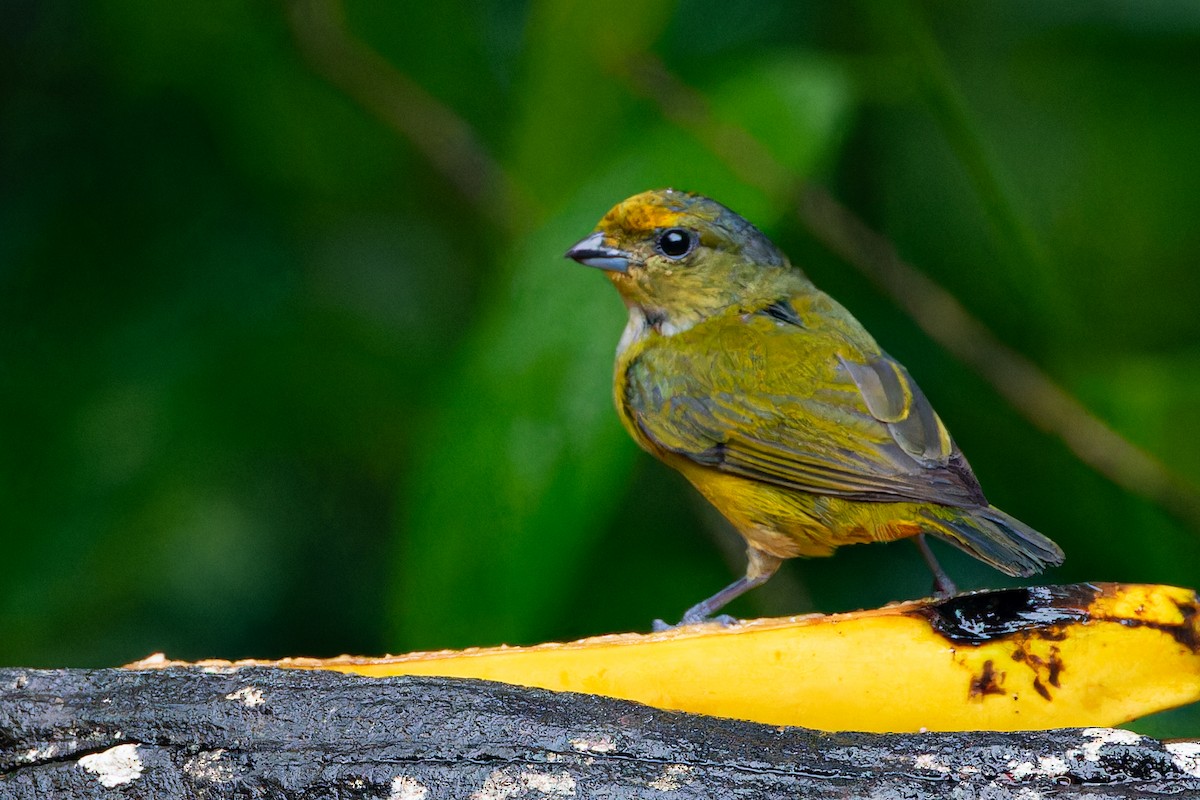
(643, 322)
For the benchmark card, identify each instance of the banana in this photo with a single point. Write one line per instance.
(1087, 655)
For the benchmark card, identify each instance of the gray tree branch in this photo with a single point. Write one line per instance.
(193, 733)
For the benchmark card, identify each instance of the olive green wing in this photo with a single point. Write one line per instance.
(806, 410)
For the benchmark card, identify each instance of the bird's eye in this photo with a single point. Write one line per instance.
(676, 242)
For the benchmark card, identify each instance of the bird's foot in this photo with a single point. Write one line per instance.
(724, 620)
(944, 588)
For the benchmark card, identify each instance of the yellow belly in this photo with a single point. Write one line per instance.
(787, 523)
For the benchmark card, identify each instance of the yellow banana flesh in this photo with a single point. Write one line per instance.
(1015, 659)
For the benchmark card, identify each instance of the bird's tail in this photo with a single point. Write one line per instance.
(992, 536)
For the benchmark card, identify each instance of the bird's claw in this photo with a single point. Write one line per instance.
(724, 620)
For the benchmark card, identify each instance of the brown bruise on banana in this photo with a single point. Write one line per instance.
(988, 681)
(1035, 621)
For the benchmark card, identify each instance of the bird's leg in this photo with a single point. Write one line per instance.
(759, 567)
(942, 585)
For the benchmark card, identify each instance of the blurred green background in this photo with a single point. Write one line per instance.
(291, 363)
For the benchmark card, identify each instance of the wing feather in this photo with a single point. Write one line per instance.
(812, 409)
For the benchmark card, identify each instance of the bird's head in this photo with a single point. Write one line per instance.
(681, 257)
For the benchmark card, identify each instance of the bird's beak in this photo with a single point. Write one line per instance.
(593, 252)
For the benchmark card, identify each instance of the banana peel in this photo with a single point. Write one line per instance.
(1088, 655)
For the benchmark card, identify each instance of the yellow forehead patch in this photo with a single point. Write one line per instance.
(646, 212)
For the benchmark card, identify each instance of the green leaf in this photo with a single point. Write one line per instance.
(793, 103)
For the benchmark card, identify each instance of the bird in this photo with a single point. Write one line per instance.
(777, 405)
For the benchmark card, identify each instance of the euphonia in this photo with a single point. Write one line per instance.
(776, 404)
